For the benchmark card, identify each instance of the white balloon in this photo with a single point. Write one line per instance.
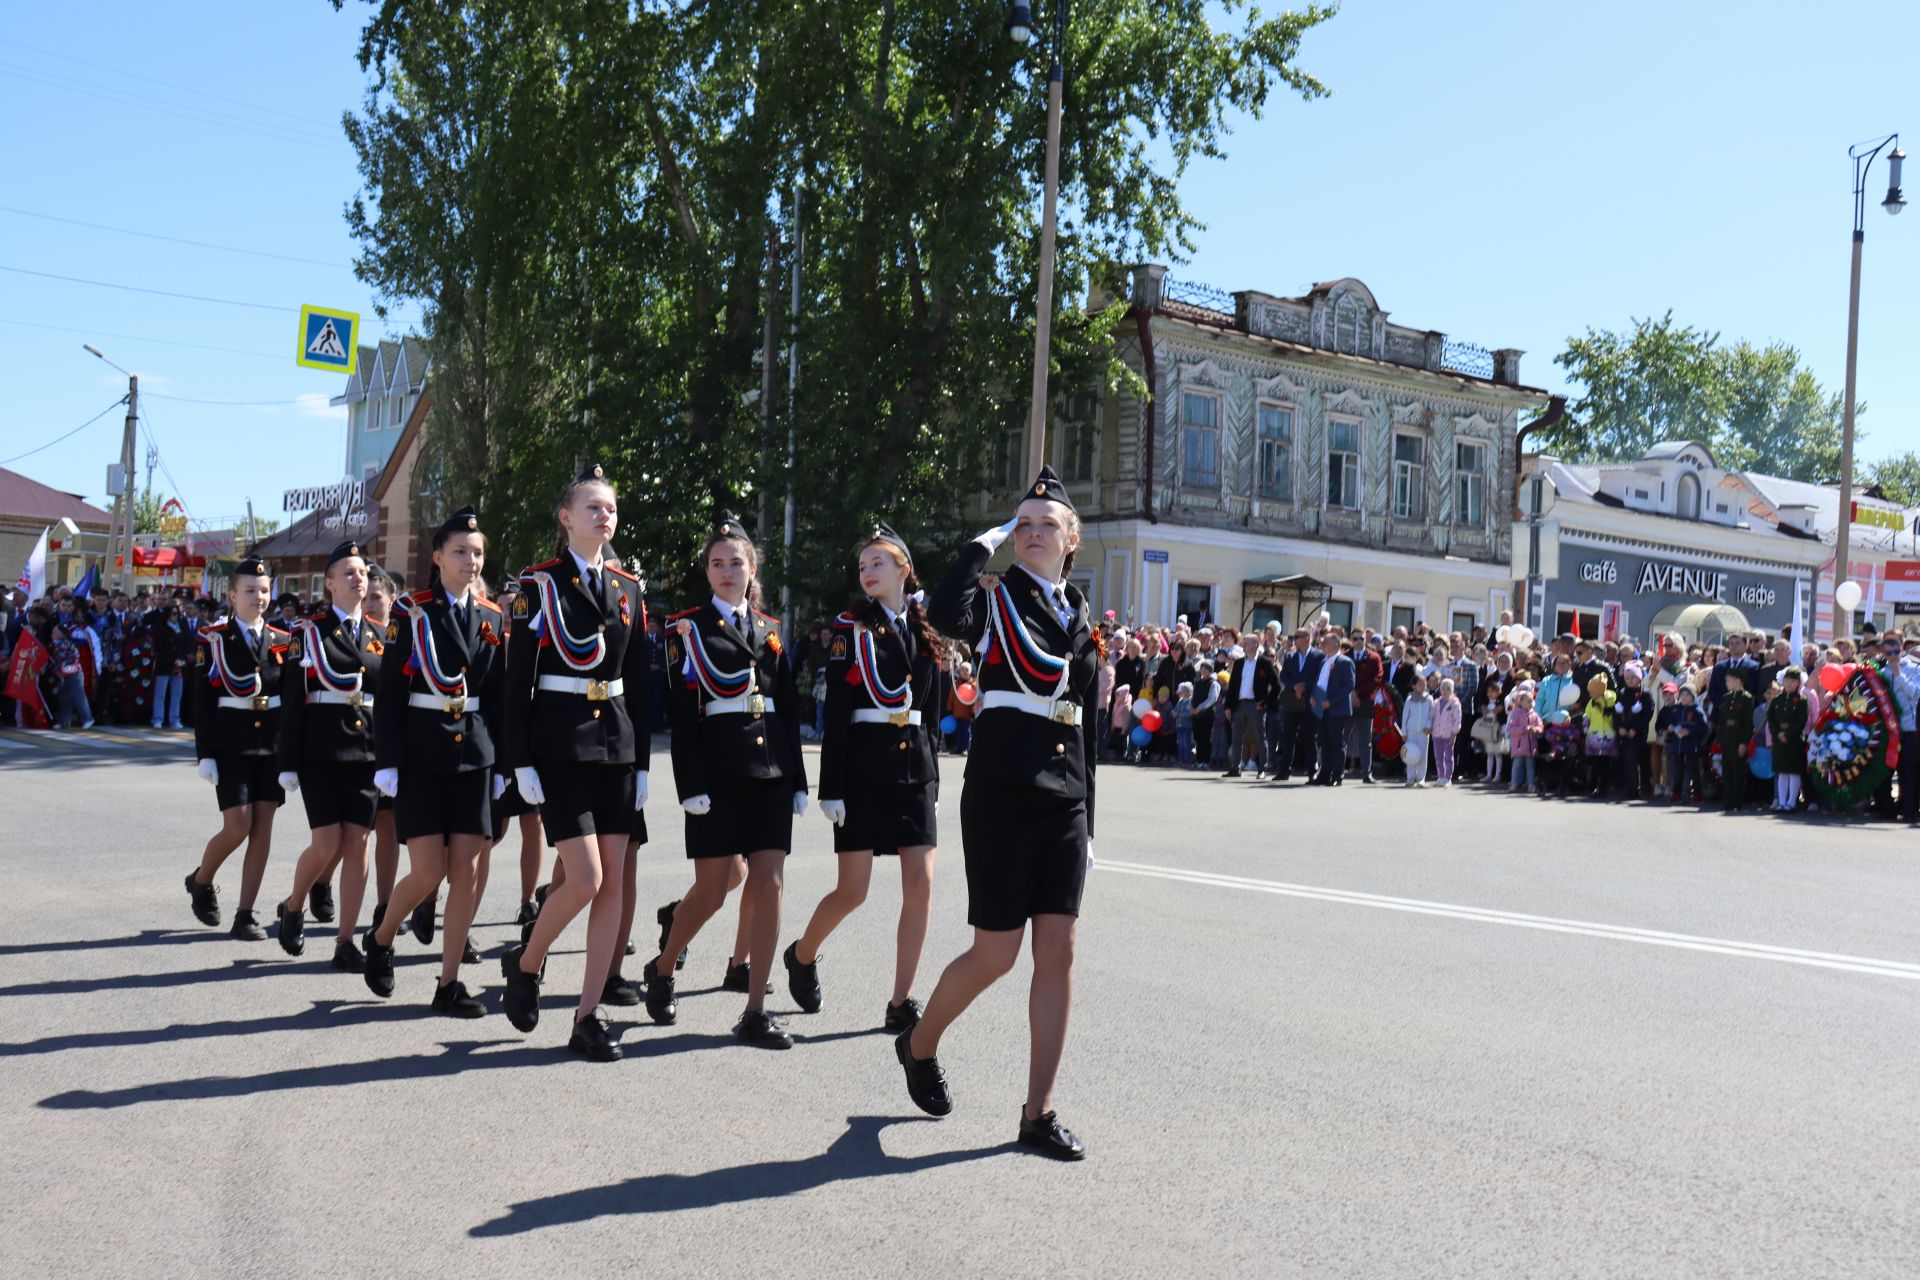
(1847, 595)
(1140, 707)
(1569, 695)
(1524, 637)
(1503, 633)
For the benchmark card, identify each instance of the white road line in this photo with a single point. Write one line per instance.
(1520, 920)
(5, 741)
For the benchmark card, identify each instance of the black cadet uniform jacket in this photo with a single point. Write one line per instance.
(878, 752)
(731, 746)
(223, 731)
(1012, 746)
(432, 740)
(318, 732)
(550, 726)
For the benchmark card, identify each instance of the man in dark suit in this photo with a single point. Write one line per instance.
(1299, 672)
(1409, 662)
(1251, 686)
(1331, 698)
(1737, 658)
(1585, 667)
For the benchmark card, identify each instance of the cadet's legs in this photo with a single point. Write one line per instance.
(991, 956)
(916, 908)
(713, 880)
(316, 863)
(426, 868)
(603, 919)
(594, 878)
(742, 931)
(353, 882)
(629, 901)
(386, 856)
(531, 855)
(849, 891)
(235, 823)
(466, 881)
(766, 869)
(1048, 1003)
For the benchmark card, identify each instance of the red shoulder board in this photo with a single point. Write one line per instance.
(422, 596)
(486, 604)
(618, 572)
(273, 630)
(321, 614)
(684, 613)
(769, 617)
(535, 568)
(214, 628)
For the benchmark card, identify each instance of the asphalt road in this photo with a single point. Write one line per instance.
(1364, 1032)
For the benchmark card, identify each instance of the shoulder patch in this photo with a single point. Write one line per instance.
(277, 631)
(213, 628)
(393, 629)
(520, 604)
(320, 613)
(839, 649)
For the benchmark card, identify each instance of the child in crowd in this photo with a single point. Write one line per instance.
(1120, 741)
(1597, 740)
(1523, 732)
(1631, 716)
(1559, 755)
(1446, 732)
(1486, 732)
(1183, 723)
(1686, 731)
(1733, 730)
(1416, 727)
(1787, 726)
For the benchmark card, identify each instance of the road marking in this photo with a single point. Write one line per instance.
(1520, 920)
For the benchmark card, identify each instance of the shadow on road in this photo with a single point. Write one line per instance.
(323, 1013)
(855, 1154)
(144, 938)
(236, 970)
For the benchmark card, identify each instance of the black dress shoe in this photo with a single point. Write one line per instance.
(246, 927)
(206, 899)
(379, 967)
(421, 921)
(379, 914)
(762, 1030)
(661, 1006)
(522, 998)
(619, 992)
(293, 929)
(540, 897)
(665, 916)
(803, 980)
(467, 953)
(593, 1040)
(904, 1016)
(1045, 1134)
(926, 1082)
(320, 899)
(454, 1001)
(739, 979)
(528, 914)
(347, 957)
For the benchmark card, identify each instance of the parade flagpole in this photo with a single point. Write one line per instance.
(33, 578)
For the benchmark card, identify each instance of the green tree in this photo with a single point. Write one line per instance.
(593, 200)
(147, 510)
(1898, 477)
(1779, 420)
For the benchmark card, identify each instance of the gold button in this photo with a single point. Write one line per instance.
(596, 715)
(903, 746)
(459, 737)
(256, 724)
(1059, 748)
(356, 724)
(760, 742)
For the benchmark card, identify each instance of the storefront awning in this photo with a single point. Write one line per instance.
(1307, 595)
(1702, 623)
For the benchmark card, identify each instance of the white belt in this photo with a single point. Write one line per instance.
(874, 715)
(1058, 710)
(746, 704)
(454, 706)
(595, 690)
(354, 699)
(261, 702)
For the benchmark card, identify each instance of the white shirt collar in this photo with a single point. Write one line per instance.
(1059, 587)
(728, 610)
(342, 614)
(584, 566)
(453, 599)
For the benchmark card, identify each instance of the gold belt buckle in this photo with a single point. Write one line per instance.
(1063, 713)
(262, 702)
(597, 691)
(898, 719)
(457, 706)
(356, 699)
(757, 704)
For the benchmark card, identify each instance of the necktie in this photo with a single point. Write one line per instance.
(593, 583)
(353, 632)
(740, 621)
(460, 615)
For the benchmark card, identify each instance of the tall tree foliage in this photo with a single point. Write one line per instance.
(1757, 408)
(584, 194)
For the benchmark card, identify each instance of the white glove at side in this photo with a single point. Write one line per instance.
(992, 538)
(499, 785)
(209, 770)
(835, 811)
(799, 803)
(697, 805)
(640, 789)
(1089, 852)
(289, 782)
(387, 782)
(529, 783)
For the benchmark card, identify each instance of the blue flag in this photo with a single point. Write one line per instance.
(87, 582)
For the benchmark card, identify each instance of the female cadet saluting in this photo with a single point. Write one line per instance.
(439, 703)
(1026, 812)
(879, 779)
(577, 677)
(326, 749)
(737, 766)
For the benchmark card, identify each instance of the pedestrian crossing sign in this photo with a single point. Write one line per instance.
(327, 340)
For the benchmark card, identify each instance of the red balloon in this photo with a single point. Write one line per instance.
(1832, 676)
(966, 693)
(1150, 722)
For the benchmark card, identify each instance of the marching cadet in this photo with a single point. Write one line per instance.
(879, 779)
(577, 712)
(376, 610)
(434, 722)
(236, 714)
(1026, 811)
(326, 749)
(737, 768)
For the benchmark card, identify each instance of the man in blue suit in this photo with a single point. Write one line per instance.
(1298, 726)
(1331, 697)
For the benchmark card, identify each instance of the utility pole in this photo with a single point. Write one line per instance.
(126, 483)
(793, 409)
(250, 538)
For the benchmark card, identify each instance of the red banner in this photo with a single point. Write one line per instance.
(30, 658)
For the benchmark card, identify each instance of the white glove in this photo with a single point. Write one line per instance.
(209, 770)
(289, 782)
(799, 803)
(387, 782)
(640, 789)
(499, 785)
(835, 811)
(992, 538)
(1089, 851)
(529, 783)
(697, 805)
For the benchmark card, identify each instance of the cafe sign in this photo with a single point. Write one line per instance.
(1673, 579)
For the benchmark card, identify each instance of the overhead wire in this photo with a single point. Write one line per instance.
(161, 293)
(138, 337)
(64, 435)
(153, 235)
(165, 84)
(144, 102)
(146, 426)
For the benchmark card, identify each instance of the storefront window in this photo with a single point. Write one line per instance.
(1340, 614)
(1588, 620)
(1262, 614)
(1195, 600)
(1403, 615)
(1464, 623)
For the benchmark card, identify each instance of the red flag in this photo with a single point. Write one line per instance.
(1576, 624)
(30, 658)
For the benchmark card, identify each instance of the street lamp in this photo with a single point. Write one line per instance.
(1862, 155)
(1020, 28)
(120, 536)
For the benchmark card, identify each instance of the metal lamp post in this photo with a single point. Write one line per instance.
(1862, 155)
(1020, 28)
(120, 538)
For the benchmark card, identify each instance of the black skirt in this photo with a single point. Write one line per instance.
(585, 800)
(246, 780)
(336, 791)
(1026, 853)
(748, 815)
(886, 817)
(444, 804)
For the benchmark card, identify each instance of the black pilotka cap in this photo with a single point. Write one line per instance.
(1047, 485)
(462, 521)
(250, 564)
(345, 551)
(593, 471)
(883, 532)
(729, 525)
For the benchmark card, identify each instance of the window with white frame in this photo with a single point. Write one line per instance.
(365, 411)
(1276, 451)
(1343, 464)
(1009, 456)
(1199, 440)
(1339, 614)
(1079, 434)
(1470, 483)
(1409, 477)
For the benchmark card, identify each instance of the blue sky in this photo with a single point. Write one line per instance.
(1509, 173)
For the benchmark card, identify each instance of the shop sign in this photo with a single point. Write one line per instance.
(1900, 582)
(343, 505)
(1674, 580)
(1879, 517)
